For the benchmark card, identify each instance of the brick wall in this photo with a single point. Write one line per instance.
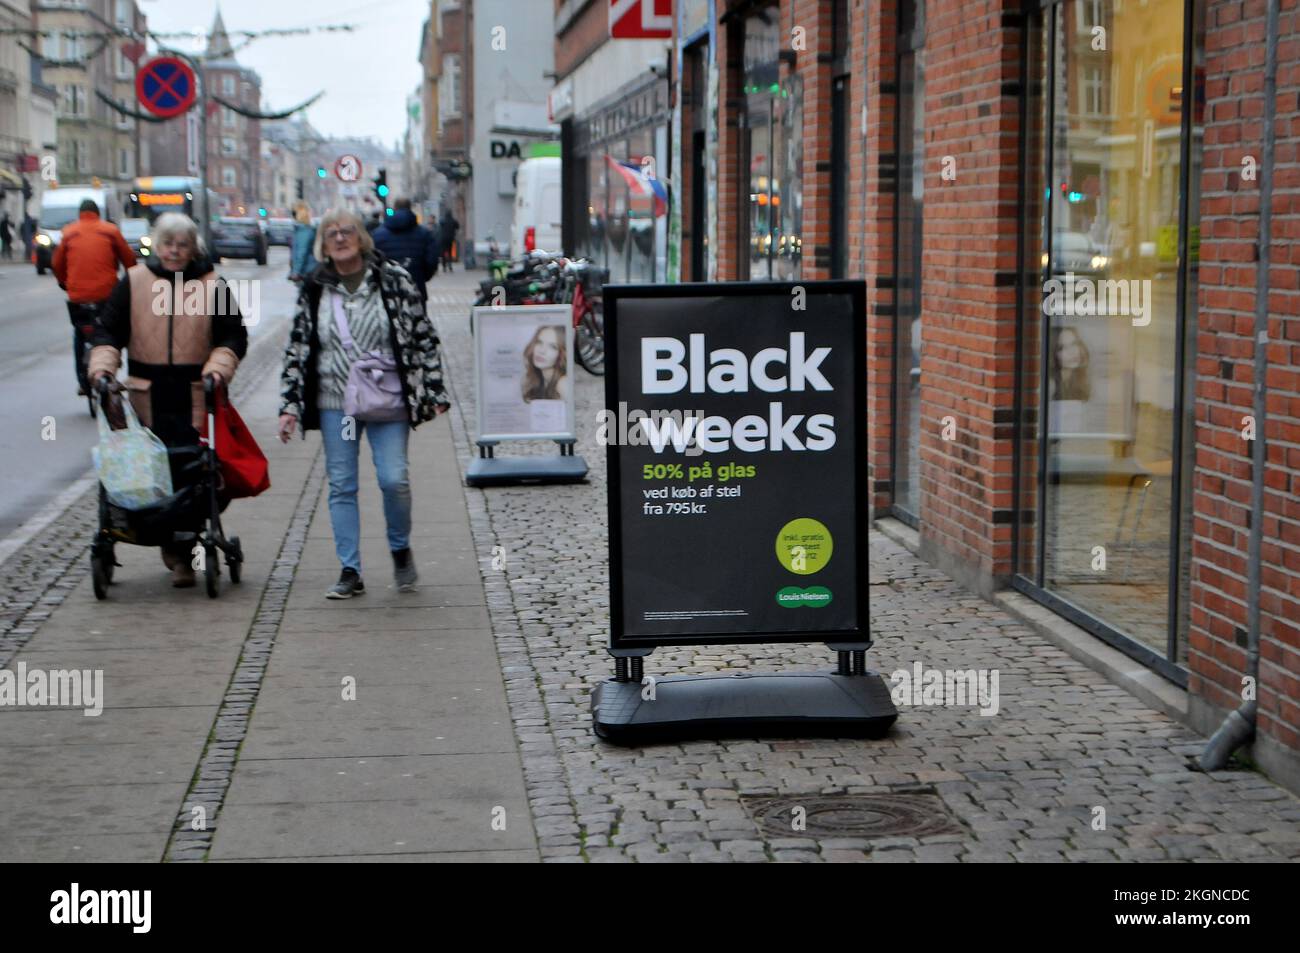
(583, 34)
(1225, 372)
(969, 270)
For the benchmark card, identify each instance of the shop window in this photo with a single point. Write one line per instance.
(907, 251)
(772, 155)
(1105, 335)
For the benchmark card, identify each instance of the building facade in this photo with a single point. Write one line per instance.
(27, 125)
(234, 140)
(1079, 224)
(85, 51)
(612, 99)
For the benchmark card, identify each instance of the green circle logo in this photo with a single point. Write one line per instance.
(804, 546)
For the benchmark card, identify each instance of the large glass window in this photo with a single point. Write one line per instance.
(1111, 162)
(907, 296)
(772, 154)
(597, 178)
(641, 213)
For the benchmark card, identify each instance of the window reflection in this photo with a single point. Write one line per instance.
(1110, 309)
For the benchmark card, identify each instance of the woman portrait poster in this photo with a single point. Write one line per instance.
(523, 368)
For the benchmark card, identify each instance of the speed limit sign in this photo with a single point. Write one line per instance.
(347, 168)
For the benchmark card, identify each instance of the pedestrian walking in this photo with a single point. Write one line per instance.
(403, 240)
(27, 231)
(301, 260)
(151, 313)
(6, 237)
(359, 306)
(447, 229)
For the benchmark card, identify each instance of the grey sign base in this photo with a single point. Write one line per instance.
(795, 704)
(505, 471)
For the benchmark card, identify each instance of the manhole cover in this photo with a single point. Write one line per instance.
(853, 815)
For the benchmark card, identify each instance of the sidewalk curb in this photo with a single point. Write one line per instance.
(522, 681)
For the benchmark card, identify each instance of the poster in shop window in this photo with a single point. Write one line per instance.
(524, 365)
(735, 429)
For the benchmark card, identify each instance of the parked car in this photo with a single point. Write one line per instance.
(136, 233)
(234, 237)
(279, 231)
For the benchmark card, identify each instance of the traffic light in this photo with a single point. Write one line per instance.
(320, 172)
(27, 190)
(381, 186)
(262, 212)
(300, 188)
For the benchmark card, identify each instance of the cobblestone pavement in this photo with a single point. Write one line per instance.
(1024, 784)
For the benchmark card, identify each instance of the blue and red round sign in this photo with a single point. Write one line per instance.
(165, 86)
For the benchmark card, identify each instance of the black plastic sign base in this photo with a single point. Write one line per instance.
(794, 704)
(506, 471)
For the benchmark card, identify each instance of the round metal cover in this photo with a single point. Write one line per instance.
(853, 815)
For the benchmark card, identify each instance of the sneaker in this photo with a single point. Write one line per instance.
(404, 573)
(182, 575)
(349, 585)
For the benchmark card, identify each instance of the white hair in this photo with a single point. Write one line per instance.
(172, 224)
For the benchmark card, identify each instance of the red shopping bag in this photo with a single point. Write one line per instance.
(244, 469)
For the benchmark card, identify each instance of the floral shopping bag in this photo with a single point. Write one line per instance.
(132, 463)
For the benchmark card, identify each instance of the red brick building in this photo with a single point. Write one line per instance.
(1057, 209)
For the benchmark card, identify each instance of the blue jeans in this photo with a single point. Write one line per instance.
(388, 442)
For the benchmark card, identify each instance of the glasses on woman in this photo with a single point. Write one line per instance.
(341, 233)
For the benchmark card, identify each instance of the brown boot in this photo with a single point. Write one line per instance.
(182, 575)
(169, 559)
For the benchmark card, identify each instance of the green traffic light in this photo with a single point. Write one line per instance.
(262, 212)
(383, 191)
(320, 171)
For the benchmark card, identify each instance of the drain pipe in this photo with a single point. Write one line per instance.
(1239, 727)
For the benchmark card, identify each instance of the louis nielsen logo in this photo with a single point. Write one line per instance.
(77, 906)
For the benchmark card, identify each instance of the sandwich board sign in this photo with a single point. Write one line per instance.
(738, 498)
(524, 388)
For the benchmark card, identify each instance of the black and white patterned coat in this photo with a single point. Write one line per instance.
(412, 339)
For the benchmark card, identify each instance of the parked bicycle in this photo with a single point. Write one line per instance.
(543, 278)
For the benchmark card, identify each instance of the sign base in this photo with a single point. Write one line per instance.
(793, 704)
(506, 471)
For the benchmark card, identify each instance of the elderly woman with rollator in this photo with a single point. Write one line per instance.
(362, 357)
(178, 323)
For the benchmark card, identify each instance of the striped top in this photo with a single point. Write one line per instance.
(368, 323)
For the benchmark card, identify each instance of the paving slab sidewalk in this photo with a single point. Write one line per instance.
(109, 787)
(422, 765)
(381, 730)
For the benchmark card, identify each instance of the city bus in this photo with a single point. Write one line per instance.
(152, 195)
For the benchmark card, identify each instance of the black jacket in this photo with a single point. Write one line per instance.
(405, 242)
(170, 392)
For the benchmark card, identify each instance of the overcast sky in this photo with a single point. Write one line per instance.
(366, 74)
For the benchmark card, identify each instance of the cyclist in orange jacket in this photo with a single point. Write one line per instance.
(86, 263)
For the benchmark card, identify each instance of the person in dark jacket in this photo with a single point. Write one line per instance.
(404, 241)
(447, 229)
(179, 322)
(301, 261)
(6, 236)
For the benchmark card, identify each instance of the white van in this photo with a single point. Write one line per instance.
(537, 206)
(61, 207)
